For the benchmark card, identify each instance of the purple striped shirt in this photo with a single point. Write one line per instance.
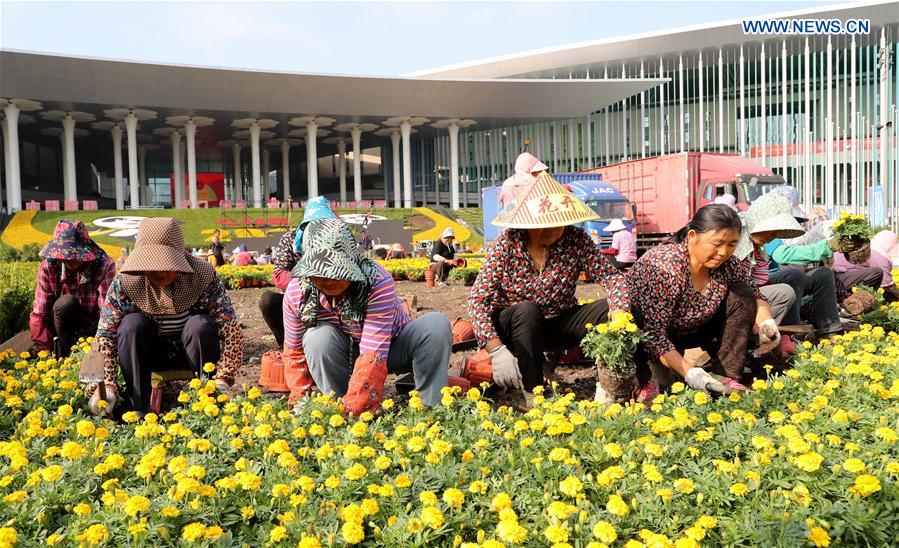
(384, 317)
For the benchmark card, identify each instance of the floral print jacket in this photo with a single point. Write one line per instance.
(509, 276)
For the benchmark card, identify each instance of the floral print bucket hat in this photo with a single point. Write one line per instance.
(71, 242)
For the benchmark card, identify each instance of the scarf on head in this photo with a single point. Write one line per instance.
(354, 303)
(177, 297)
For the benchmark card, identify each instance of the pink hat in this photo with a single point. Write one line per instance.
(886, 243)
(527, 168)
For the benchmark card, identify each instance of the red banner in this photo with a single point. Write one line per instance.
(210, 188)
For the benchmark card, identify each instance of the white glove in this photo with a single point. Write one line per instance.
(769, 336)
(505, 368)
(602, 396)
(700, 379)
(94, 403)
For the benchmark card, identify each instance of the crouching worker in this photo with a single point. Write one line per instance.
(343, 317)
(694, 293)
(71, 286)
(166, 310)
(523, 302)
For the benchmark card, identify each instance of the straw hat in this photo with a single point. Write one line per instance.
(614, 226)
(545, 204)
(768, 213)
(158, 247)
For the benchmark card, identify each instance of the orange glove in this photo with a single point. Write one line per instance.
(296, 373)
(366, 389)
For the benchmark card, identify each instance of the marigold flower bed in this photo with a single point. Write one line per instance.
(807, 458)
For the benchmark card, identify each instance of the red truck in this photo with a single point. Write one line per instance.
(667, 190)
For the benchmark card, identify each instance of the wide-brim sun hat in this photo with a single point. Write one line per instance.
(768, 213)
(545, 204)
(448, 233)
(886, 243)
(614, 226)
(330, 252)
(158, 247)
(71, 242)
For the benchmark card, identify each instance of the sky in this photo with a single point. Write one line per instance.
(366, 38)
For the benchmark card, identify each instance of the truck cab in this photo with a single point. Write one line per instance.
(746, 188)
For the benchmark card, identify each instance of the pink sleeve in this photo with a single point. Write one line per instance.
(281, 278)
(377, 329)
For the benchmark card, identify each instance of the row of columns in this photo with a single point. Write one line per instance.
(399, 129)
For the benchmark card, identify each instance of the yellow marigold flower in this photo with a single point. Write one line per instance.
(808, 462)
(613, 450)
(684, 485)
(403, 481)
(819, 537)
(739, 489)
(170, 512)
(854, 465)
(432, 517)
(865, 485)
(571, 486)
(309, 542)
(278, 534)
(511, 531)
(616, 505)
(85, 428)
(453, 497)
(72, 451)
(556, 533)
(355, 472)
(605, 532)
(136, 504)
(82, 509)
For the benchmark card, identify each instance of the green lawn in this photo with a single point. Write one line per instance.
(473, 217)
(194, 222)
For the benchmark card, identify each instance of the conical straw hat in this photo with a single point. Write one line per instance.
(546, 204)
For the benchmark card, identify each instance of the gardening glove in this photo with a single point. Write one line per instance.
(700, 379)
(505, 369)
(93, 403)
(366, 388)
(769, 336)
(296, 373)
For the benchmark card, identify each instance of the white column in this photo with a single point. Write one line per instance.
(764, 96)
(406, 129)
(661, 116)
(883, 129)
(742, 112)
(71, 188)
(312, 158)
(6, 169)
(853, 129)
(238, 179)
(65, 163)
(807, 127)
(14, 182)
(176, 169)
(254, 162)
(701, 105)
(142, 163)
(285, 170)
(190, 129)
(783, 108)
(133, 180)
(341, 168)
(117, 162)
(828, 131)
(720, 101)
(454, 165)
(266, 170)
(680, 93)
(642, 129)
(395, 149)
(356, 134)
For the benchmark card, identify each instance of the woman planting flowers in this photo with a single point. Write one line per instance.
(166, 309)
(523, 301)
(693, 292)
(342, 315)
(71, 286)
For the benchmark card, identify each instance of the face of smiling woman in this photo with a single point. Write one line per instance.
(712, 248)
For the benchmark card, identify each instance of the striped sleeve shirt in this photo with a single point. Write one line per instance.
(384, 317)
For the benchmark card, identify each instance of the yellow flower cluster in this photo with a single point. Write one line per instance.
(797, 450)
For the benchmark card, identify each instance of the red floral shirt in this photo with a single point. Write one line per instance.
(660, 285)
(509, 276)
